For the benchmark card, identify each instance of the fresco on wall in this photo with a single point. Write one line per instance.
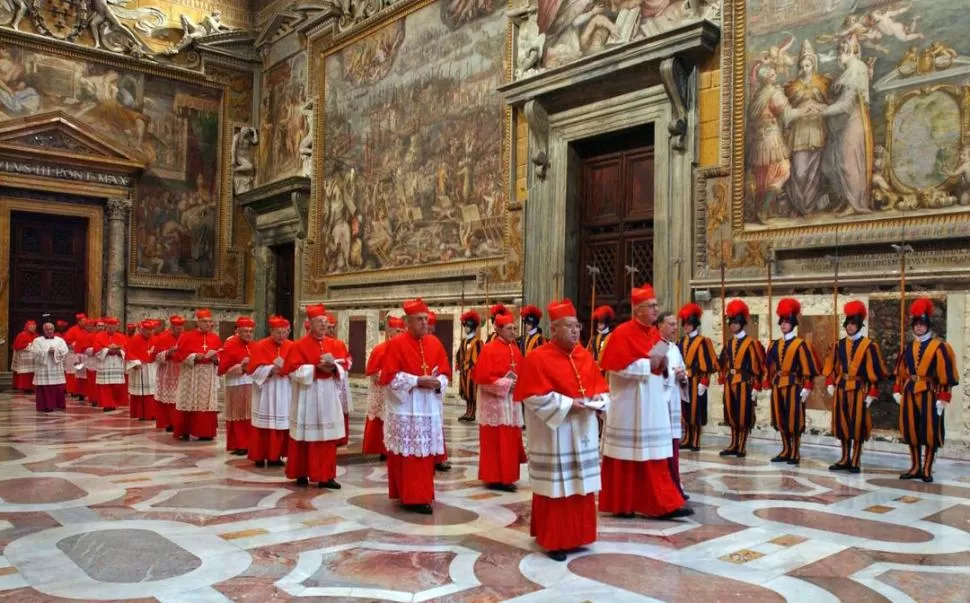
(855, 110)
(576, 28)
(283, 123)
(413, 142)
(173, 126)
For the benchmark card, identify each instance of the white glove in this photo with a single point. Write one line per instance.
(869, 400)
(754, 395)
(830, 389)
(898, 397)
(701, 389)
(804, 394)
(940, 405)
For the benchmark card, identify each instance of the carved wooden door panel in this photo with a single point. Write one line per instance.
(48, 268)
(616, 226)
(284, 256)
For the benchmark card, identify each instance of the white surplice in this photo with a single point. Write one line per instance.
(141, 377)
(375, 398)
(271, 400)
(47, 360)
(495, 407)
(563, 447)
(412, 417)
(637, 424)
(111, 369)
(316, 411)
(674, 390)
(198, 386)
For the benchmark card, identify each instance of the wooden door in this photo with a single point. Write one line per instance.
(284, 258)
(357, 345)
(616, 226)
(48, 268)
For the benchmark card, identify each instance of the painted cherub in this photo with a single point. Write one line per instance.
(884, 21)
(962, 172)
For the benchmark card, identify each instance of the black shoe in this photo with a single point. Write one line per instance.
(169, 429)
(507, 487)
(382, 458)
(331, 485)
(729, 453)
(109, 409)
(624, 515)
(684, 446)
(184, 438)
(442, 467)
(205, 439)
(240, 452)
(855, 470)
(839, 467)
(420, 509)
(928, 479)
(276, 463)
(794, 461)
(557, 555)
(686, 496)
(260, 464)
(681, 512)
(780, 459)
(910, 475)
(302, 481)
(741, 455)
(695, 448)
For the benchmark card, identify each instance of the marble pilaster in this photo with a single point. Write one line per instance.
(117, 210)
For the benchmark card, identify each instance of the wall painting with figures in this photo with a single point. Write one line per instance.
(855, 112)
(172, 125)
(284, 120)
(414, 152)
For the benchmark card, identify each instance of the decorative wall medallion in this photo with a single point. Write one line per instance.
(60, 19)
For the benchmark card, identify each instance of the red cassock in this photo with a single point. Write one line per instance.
(267, 444)
(164, 411)
(410, 479)
(112, 395)
(374, 426)
(198, 423)
(569, 522)
(316, 461)
(69, 338)
(141, 406)
(501, 449)
(81, 379)
(23, 381)
(644, 487)
(238, 397)
(85, 341)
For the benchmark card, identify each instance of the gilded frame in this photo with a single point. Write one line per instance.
(910, 226)
(894, 103)
(224, 193)
(314, 281)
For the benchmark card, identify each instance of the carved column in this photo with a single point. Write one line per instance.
(117, 210)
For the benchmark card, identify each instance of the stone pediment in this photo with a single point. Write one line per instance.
(297, 16)
(57, 136)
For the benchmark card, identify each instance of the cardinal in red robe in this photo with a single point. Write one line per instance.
(197, 401)
(270, 417)
(561, 389)
(499, 417)
(415, 373)
(234, 360)
(141, 373)
(374, 425)
(167, 375)
(23, 361)
(109, 349)
(315, 367)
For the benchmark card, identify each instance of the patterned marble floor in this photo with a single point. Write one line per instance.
(97, 507)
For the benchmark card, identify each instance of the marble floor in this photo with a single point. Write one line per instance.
(98, 507)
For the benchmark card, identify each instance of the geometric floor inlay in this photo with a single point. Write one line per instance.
(97, 507)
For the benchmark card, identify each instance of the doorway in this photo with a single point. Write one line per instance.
(615, 217)
(284, 263)
(48, 267)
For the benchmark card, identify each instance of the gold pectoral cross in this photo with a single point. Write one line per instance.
(511, 359)
(582, 390)
(424, 363)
